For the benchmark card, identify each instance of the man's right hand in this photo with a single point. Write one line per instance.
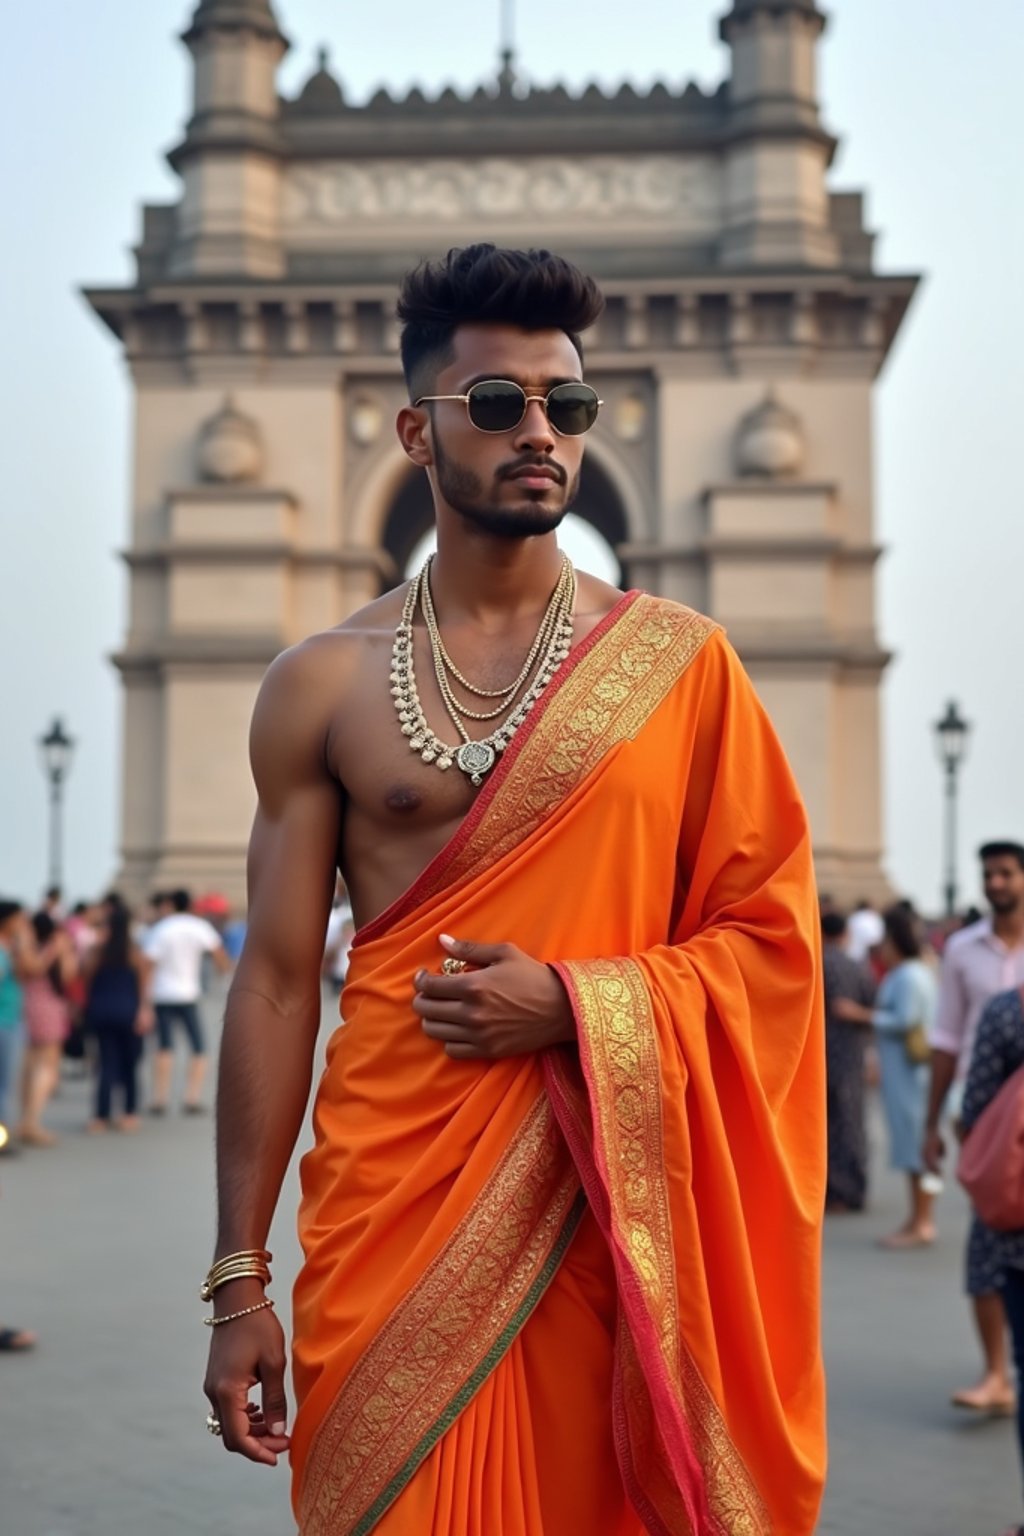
(244, 1353)
(933, 1151)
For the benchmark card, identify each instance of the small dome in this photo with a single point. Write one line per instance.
(230, 446)
(321, 93)
(770, 440)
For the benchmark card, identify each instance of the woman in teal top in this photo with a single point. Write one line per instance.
(902, 1016)
(11, 920)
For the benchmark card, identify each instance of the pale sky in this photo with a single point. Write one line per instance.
(923, 94)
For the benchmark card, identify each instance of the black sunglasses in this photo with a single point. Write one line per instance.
(499, 405)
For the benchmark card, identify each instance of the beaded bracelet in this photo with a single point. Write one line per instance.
(215, 1322)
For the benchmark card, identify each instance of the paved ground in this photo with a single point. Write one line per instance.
(101, 1430)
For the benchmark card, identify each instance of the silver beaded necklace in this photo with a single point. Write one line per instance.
(474, 757)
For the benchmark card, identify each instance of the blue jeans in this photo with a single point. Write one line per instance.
(10, 1039)
(1013, 1301)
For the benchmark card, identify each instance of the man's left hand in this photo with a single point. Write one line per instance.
(506, 1004)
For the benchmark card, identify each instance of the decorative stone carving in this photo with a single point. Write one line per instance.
(331, 199)
(230, 447)
(770, 440)
(365, 419)
(630, 418)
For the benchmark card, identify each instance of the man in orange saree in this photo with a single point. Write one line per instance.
(575, 1292)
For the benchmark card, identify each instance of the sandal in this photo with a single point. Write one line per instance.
(15, 1340)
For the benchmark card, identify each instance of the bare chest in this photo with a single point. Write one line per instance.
(379, 758)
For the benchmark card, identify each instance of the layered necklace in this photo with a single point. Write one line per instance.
(551, 646)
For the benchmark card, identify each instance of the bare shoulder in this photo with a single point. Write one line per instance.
(595, 599)
(318, 671)
(308, 686)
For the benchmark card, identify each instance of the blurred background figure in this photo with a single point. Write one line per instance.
(865, 931)
(47, 964)
(176, 945)
(998, 1054)
(978, 962)
(12, 921)
(903, 1017)
(233, 935)
(338, 942)
(117, 1013)
(845, 1044)
(81, 926)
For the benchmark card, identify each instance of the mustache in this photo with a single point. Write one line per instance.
(531, 461)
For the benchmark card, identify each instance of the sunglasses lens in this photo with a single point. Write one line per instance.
(572, 408)
(497, 405)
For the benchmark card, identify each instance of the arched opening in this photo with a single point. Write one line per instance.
(591, 534)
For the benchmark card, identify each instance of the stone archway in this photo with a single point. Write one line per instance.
(411, 517)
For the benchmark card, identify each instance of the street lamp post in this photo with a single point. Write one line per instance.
(57, 749)
(951, 733)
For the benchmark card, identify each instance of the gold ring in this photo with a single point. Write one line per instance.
(213, 1424)
(453, 967)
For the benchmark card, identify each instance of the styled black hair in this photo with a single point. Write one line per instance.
(9, 908)
(833, 924)
(481, 284)
(903, 930)
(180, 900)
(1002, 850)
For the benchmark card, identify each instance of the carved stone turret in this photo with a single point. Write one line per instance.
(777, 202)
(229, 220)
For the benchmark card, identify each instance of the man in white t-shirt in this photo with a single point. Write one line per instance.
(176, 945)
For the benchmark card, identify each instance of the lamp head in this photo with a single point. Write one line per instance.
(57, 749)
(951, 733)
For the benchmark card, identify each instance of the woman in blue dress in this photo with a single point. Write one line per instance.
(902, 1019)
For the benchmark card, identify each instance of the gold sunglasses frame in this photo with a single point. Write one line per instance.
(497, 431)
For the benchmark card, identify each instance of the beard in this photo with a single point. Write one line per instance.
(463, 490)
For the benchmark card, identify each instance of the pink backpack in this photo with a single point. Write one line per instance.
(991, 1166)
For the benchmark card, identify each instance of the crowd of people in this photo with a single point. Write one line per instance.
(91, 985)
(98, 989)
(935, 1015)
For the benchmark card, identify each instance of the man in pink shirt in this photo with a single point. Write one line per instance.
(978, 962)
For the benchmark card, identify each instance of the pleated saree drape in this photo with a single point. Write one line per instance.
(576, 1293)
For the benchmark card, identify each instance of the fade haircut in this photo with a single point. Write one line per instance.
(1003, 849)
(481, 285)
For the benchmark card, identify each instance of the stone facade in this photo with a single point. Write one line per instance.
(731, 468)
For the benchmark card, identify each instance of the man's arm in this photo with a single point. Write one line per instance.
(270, 1028)
(221, 960)
(947, 1037)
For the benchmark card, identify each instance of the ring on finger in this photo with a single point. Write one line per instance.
(213, 1424)
(453, 967)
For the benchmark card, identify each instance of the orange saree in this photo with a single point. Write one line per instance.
(576, 1294)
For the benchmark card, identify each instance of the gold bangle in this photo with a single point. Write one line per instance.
(243, 1272)
(248, 1263)
(215, 1322)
